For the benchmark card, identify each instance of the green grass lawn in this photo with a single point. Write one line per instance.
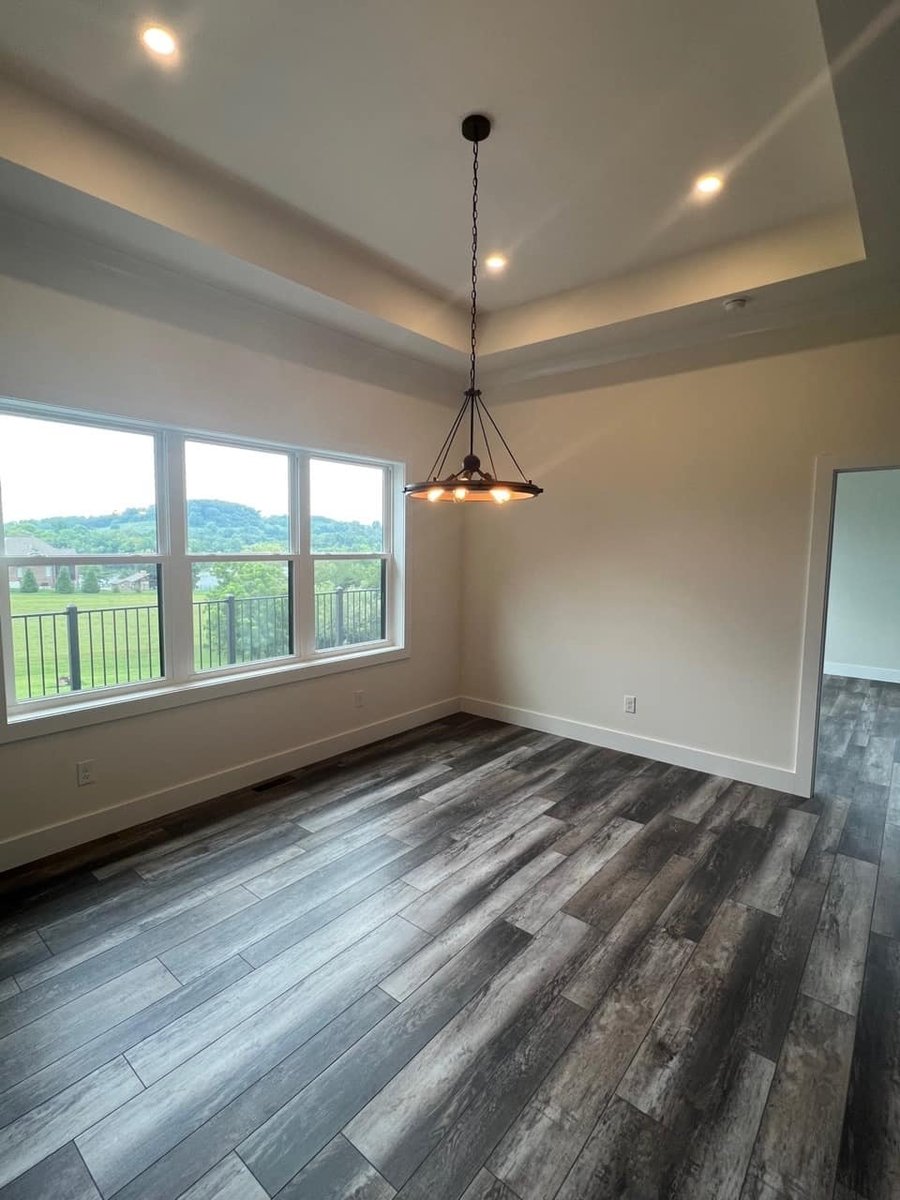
(50, 601)
(119, 642)
(118, 639)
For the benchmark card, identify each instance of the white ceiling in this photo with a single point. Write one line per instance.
(605, 110)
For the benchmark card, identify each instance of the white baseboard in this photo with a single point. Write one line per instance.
(757, 773)
(852, 671)
(85, 828)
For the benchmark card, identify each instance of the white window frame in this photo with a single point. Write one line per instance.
(180, 682)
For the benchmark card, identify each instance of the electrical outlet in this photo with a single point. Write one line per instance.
(631, 704)
(357, 699)
(84, 772)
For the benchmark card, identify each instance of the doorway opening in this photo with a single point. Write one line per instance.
(857, 760)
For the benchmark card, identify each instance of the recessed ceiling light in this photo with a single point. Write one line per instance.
(496, 263)
(708, 185)
(159, 41)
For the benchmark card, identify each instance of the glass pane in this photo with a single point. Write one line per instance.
(349, 602)
(242, 613)
(79, 628)
(237, 499)
(75, 489)
(346, 504)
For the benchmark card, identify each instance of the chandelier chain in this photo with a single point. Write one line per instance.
(474, 265)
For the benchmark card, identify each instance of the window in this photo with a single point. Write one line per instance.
(347, 546)
(140, 560)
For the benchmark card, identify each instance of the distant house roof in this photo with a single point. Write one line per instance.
(23, 547)
(136, 577)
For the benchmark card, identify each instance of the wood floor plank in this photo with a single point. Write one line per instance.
(886, 914)
(561, 884)
(682, 1067)
(610, 892)
(675, 786)
(42, 1084)
(48, 1038)
(160, 1053)
(467, 849)
(694, 805)
(397, 1129)
(228, 1180)
(626, 1155)
(185, 1162)
(366, 851)
(879, 760)
(121, 1146)
(21, 951)
(776, 981)
(824, 843)
(613, 954)
(864, 825)
(838, 953)
(769, 884)
(336, 1173)
(86, 974)
(457, 1157)
(893, 808)
(297, 1132)
(797, 1148)
(62, 1174)
(869, 1162)
(732, 859)
(475, 881)
(171, 896)
(274, 924)
(541, 1146)
(486, 1186)
(716, 1163)
(433, 956)
(51, 1125)
(132, 943)
(333, 812)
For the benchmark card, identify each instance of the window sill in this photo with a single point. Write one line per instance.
(21, 724)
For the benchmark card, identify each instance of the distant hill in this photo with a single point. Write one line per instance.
(217, 527)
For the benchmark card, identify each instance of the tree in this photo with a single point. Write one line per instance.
(64, 581)
(90, 583)
(29, 582)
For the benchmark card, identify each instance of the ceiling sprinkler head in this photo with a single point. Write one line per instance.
(735, 303)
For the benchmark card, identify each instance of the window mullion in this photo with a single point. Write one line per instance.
(178, 632)
(305, 600)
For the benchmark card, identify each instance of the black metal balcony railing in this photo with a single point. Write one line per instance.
(83, 648)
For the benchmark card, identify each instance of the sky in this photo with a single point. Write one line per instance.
(50, 469)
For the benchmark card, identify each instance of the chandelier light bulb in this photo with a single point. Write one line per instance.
(159, 41)
(435, 493)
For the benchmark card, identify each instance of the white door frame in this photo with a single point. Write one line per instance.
(828, 467)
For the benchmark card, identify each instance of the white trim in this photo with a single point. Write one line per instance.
(827, 468)
(757, 773)
(53, 838)
(852, 671)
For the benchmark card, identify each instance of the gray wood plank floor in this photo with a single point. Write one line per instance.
(475, 961)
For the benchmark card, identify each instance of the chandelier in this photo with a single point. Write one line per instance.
(472, 481)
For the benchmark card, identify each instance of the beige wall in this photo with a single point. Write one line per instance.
(668, 557)
(59, 349)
